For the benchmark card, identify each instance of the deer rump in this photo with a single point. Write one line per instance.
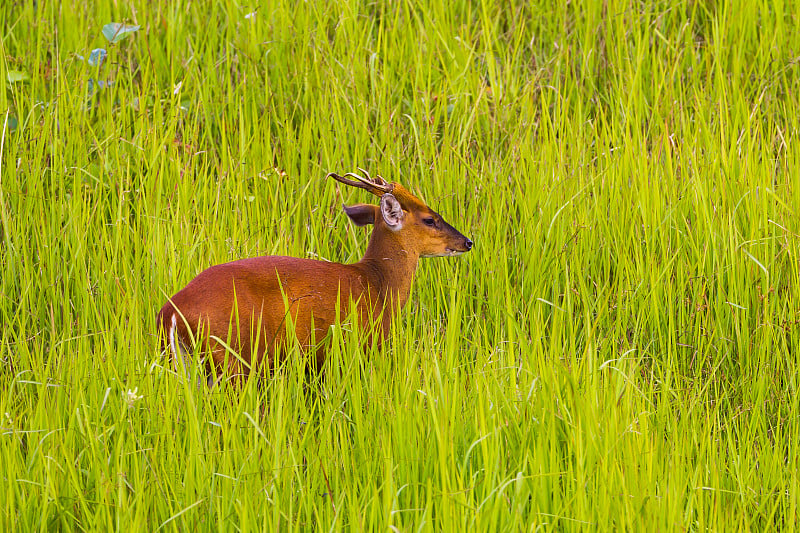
(258, 302)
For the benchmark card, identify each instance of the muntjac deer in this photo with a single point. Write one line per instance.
(243, 306)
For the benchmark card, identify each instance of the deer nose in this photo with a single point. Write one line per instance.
(468, 244)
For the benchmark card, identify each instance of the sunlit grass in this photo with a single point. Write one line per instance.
(618, 351)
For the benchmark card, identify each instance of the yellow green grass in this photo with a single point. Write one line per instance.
(620, 350)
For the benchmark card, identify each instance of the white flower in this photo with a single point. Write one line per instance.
(131, 397)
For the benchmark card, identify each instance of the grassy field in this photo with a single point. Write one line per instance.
(620, 350)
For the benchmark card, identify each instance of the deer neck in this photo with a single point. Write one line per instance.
(389, 264)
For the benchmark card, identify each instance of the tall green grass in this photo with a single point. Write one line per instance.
(619, 350)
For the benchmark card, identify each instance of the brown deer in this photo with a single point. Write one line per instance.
(240, 309)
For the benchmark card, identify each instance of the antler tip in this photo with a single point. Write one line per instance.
(369, 178)
(376, 186)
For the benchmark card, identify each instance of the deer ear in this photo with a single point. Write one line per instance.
(361, 214)
(392, 212)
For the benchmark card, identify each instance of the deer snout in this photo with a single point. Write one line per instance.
(468, 243)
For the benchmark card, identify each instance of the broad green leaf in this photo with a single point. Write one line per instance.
(15, 76)
(97, 56)
(116, 31)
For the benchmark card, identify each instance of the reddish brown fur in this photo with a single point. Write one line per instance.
(258, 290)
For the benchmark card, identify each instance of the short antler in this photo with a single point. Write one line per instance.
(377, 186)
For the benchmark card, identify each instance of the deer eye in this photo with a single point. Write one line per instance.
(429, 222)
